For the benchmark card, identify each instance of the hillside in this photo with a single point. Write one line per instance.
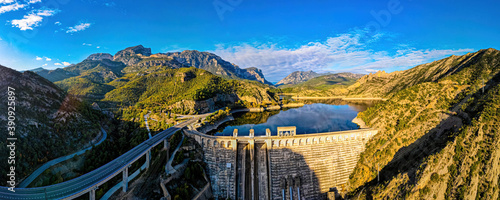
(183, 90)
(297, 77)
(325, 85)
(437, 131)
(216, 65)
(49, 122)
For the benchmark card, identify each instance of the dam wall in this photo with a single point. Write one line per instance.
(268, 167)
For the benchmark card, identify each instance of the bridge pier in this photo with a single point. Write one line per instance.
(165, 143)
(125, 179)
(148, 158)
(92, 194)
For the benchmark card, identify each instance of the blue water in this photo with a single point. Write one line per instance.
(311, 118)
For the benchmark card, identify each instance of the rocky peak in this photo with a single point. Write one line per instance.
(216, 65)
(132, 55)
(253, 73)
(100, 56)
(298, 77)
(139, 49)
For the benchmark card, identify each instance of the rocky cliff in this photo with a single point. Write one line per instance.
(298, 77)
(216, 65)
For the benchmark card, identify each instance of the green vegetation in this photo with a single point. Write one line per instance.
(437, 131)
(327, 85)
(182, 188)
(219, 115)
(185, 85)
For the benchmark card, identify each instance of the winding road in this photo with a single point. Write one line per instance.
(92, 180)
(51, 163)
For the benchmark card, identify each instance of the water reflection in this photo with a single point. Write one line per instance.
(316, 117)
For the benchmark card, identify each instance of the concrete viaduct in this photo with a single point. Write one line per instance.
(89, 182)
(285, 166)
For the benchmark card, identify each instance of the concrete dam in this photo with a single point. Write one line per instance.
(285, 166)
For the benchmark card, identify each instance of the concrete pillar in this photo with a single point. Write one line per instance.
(234, 143)
(268, 132)
(283, 187)
(125, 179)
(297, 185)
(148, 158)
(243, 173)
(251, 145)
(92, 194)
(269, 146)
(165, 144)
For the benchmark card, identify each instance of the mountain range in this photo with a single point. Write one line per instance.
(139, 57)
(300, 78)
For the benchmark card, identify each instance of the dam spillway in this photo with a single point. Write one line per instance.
(270, 167)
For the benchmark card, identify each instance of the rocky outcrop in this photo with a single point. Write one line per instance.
(216, 65)
(298, 77)
(255, 74)
(100, 56)
(132, 55)
(204, 106)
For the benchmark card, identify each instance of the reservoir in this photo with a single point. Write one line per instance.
(314, 117)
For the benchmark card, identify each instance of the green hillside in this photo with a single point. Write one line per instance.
(49, 122)
(326, 85)
(157, 90)
(437, 131)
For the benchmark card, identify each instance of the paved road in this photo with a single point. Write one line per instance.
(168, 167)
(51, 163)
(83, 184)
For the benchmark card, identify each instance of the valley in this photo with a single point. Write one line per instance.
(432, 129)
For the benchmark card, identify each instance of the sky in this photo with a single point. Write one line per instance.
(278, 37)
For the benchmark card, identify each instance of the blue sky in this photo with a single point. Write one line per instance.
(278, 37)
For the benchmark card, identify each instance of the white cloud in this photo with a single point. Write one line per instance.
(38, 58)
(344, 52)
(79, 27)
(58, 23)
(58, 64)
(44, 65)
(33, 19)
(47, 59)
(6, 1)
(85, 44)
(66, 63)
(11, 7)
(96, 47)
(33, 1)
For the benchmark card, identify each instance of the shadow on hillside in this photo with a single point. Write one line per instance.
(408, 159)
